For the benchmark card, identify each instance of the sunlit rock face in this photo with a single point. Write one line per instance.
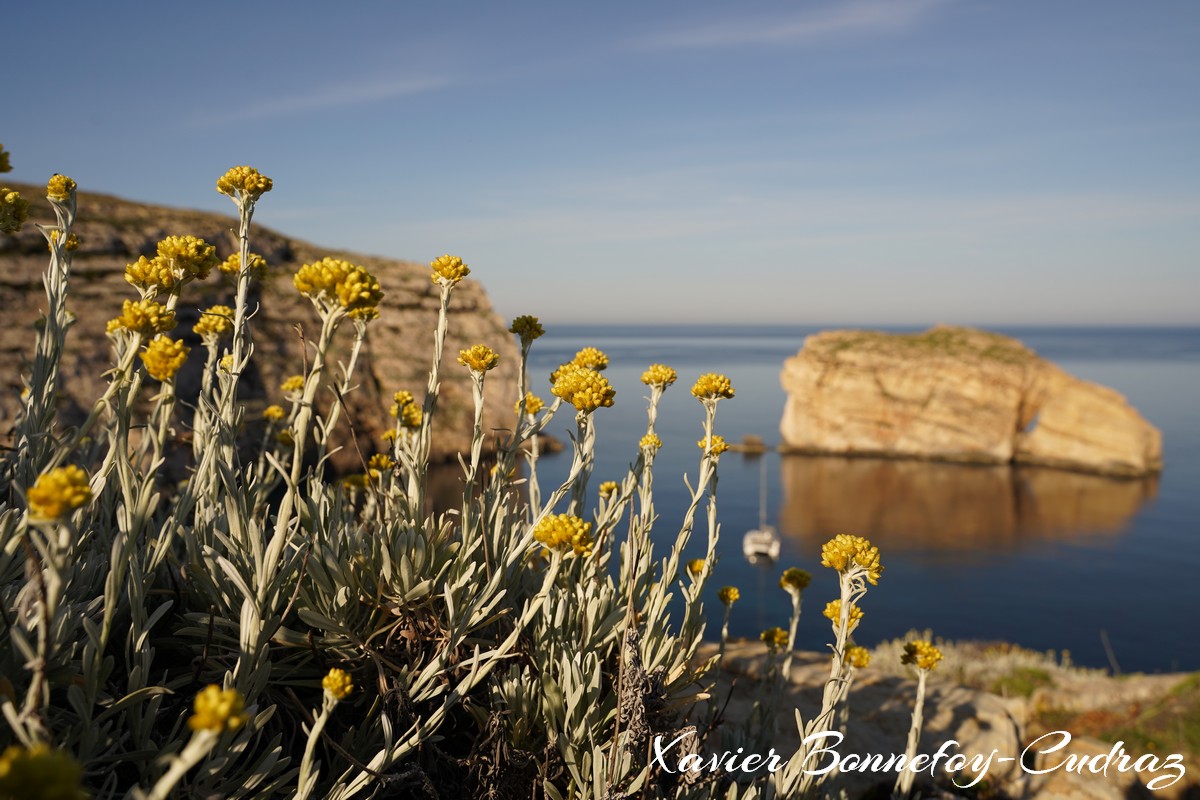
(957, 394)
(399, 347)
(938, 507)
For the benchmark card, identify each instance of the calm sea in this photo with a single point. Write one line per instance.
(1109, 570)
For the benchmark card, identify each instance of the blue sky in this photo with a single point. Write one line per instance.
(866, 161)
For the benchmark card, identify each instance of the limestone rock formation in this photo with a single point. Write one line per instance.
(397, 355)
(957, 394)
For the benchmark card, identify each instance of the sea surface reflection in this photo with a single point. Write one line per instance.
(950, 509)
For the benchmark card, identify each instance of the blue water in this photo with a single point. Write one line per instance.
(1040, 558)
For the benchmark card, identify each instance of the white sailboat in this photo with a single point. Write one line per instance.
(761, 544)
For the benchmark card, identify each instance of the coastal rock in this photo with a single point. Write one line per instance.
(957, 394)
(397, 353)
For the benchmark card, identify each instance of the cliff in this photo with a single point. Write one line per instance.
(957, 394)
(397, 355)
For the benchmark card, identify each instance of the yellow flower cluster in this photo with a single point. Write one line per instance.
(591, 358)
(226, 363)
(14, 210)
(411, 415)
(714, 448)
(257, 266)
(696, 567)
(650, 442)
(333, 281)
(586, 389)
(921, 654)
(293, 384)
(608, 488)
(858, 657)
(58, 492)
(71, 245)
(712, 386)
(187, 257)
(216, 321)
(163, 357)
(217, 710)
(833, 612)
(402, 398)
(479, 358)
(533, 404)
(39, 773)
(844, 551)
(359, 480)
(144, 317)
(244, 181)
(563, 531)
(338, 683)
(274, 413)
(775, 638)
(729, 595)
(380, 462)
(59, 188)
(795, 580)
(527, 328)
(449, 269)
(659, 375)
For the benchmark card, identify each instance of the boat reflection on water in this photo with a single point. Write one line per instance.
(951, 508)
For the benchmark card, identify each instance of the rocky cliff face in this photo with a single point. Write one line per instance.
(397, 354)
(957, 394)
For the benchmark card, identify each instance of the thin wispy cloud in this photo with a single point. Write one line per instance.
(841, 19)
(333, 95)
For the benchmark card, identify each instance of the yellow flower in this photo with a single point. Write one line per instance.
(233, 265)
(729, 595)
(608, 487)
(218, 710)
(163, 357)
(583, 388)
(40, 773)
(533, 404)
(389, 435)
(858, 657)
(795, 580)
(410, 416)
(590, 358)
(478, 358)
(14, 210)
(331, 282)
(921, 654)
(293, 384)
(144, 317)
(563, 531)
(216, 321)
(696, 567)
(717, 447)
(58, 492)
(833, 613)
(146, 273)
(650, 442)
(403, 398)
(285, 438)
(274, 413)
(844, 552)
(449, 269)
(5, 164)
(226, 363)
(338, 684)
(245, 181)
(59, 188)
(659, 375)
(527, 328)
(775, 638)
(358, 480)
(187, 257)
(381, 462)
(712, 386)
(71, 245)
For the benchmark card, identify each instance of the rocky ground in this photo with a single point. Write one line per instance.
(993, 697)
